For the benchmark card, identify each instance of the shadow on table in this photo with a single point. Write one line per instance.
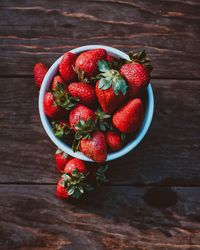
(140, 208)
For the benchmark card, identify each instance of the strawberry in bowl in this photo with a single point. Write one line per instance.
(92, 104)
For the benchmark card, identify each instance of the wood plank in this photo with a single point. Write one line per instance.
(110, 218)
(168, 30)
(169, 154)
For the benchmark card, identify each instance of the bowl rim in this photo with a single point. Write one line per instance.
(67, 149)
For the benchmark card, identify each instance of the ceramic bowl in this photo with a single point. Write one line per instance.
(67, 149)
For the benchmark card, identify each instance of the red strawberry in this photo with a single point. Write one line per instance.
(66, 67)
(137, 73)
(108, 100)
(61, 159)
(111, 59)
(74, 178)
(129, 118)
(80, 112)
(95, 147)
(113, 140)
(84, 92)
(57, 79)
(111, 88)
(61, 191)
(51, 109)
(88, 61)
(39, 71)
(75, 164)
(58, 103)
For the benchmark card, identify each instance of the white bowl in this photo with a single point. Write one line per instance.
(47, 126)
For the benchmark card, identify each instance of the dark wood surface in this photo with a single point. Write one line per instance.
(152, 199)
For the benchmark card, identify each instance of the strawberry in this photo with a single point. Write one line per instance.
(61, 159)
(110, 58)
(129, 117)
(137, 73)
(75, 164)
(57, 79)
(74, 178)
(51, 109)
(113, 140)
(94, 147)
(58, 102)
(84, 92)
(88, 61)
(39, 71)
(80, 113)
(66, 67)
(108, 100)
(110, 89)
(61, 190)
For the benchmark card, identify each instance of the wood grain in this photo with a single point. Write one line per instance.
(44, 30)
(169, 154)
(110, 218)
(138, 209)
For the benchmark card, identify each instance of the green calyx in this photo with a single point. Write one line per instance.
(102, 120)
(100, 174)
(84, 130)
(123, 137)
(81, 75)
(58, 151)
(63, 98)
(140, 57)
(111, 78)
(60, 129)
(75, 183)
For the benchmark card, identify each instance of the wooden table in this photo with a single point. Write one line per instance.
(153, 198)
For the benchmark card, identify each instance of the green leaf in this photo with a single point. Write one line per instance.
(75, 172)
(116, 86)
(82, 122)
(75, 145)
(123, 137)
(107, 85)
(59, 151)
(102, 127)
(100, 174)
(59, 133)
(102, 82)
(78, 135)
(81, 189)
(77, 194)
(63, 183)
(123, 86)
(71, 190)
(103, 66)
(66, 177)
(65, 155)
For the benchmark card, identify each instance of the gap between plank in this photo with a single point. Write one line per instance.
(105, 185)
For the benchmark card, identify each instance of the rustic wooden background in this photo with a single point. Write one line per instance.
(153, 198)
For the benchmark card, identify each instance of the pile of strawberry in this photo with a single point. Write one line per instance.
(76, 176)
(95, 104)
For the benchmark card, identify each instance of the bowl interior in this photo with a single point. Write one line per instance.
(47, 126)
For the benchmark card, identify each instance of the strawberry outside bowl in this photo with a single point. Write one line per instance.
(67, 149)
